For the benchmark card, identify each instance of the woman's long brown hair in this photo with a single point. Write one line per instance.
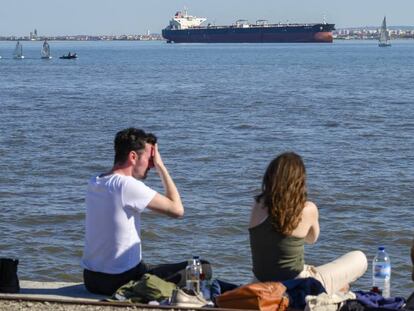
(284, 191)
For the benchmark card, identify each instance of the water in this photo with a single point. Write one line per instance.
(221, 112)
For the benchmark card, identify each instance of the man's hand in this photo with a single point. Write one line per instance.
(170, 203)
(156, 158)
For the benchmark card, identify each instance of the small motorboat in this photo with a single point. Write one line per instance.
(69, 56)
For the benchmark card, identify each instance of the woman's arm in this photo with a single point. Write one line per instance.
(312, 215)
(258, 215)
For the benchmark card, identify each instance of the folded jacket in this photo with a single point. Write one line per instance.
(298, 289)
(375, 300)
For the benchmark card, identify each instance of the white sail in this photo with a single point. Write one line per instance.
(45, 53)
(384, 37)
(18, 51)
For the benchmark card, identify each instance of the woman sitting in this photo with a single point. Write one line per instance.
(282, 220)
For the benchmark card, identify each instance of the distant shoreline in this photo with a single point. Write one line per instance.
(348, 33)
(150, 37)
(338, 38)
(337, 35)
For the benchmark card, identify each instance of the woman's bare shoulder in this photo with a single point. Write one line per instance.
(309, 218)
(310, 206)
(310, 211)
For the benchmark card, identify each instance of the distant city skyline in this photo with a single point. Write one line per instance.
(54, 17)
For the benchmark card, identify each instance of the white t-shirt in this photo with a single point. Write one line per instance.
(113, 219)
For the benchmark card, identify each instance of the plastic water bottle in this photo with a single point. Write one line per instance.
(200, 267)
(192, 275)
(204, 284)
(381, 272)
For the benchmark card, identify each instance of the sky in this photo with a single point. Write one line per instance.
(110, 17)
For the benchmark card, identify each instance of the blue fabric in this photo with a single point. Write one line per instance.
(220, 287)
(375, 300)
(298, 289)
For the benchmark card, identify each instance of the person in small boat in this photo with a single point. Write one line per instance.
(283, 220)
(114, 202)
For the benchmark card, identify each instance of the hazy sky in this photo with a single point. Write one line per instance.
(57, 17)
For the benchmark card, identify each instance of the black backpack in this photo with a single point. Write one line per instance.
(9, 282)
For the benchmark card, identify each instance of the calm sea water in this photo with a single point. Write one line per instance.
(221, 112)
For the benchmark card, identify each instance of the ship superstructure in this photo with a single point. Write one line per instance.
(182, 20)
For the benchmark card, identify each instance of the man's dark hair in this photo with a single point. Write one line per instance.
(151, 139)
(131, 139)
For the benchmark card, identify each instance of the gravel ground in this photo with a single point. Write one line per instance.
(8, 305)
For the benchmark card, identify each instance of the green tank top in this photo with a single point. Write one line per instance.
(275, 257)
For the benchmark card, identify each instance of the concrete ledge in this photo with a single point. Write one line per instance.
(55, 291)
(69, 296)
(56, 296)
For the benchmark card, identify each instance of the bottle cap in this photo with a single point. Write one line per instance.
(375, 289)
(196, 257)
(381, 248)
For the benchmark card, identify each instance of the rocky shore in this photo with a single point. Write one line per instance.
(51, 296)
(17, 305)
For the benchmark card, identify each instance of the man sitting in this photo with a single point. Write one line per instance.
(114, 203)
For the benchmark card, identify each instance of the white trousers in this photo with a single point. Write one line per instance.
(338, 273)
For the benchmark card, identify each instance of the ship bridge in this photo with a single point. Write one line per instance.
(182, 20)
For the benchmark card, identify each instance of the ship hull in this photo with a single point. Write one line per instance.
(264, 34)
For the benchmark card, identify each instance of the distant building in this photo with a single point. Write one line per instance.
(33, 35)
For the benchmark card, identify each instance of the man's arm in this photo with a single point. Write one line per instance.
(169, 204)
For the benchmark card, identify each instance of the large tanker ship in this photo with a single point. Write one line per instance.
(184, 28)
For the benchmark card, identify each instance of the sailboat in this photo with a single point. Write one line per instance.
(45, 53)
(18, 51)
(384, 39)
